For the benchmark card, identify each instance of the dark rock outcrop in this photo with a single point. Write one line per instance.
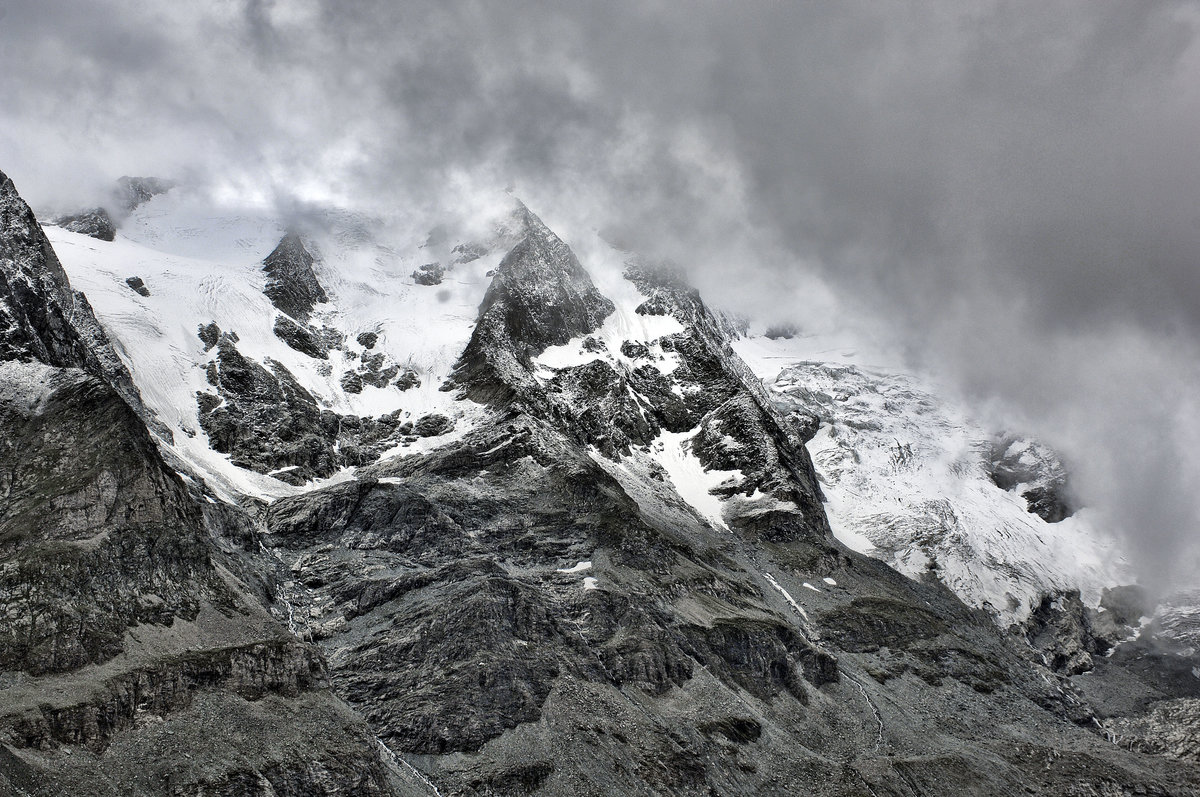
(1068, 634)
(468, 252)
(304, 339)
(292, 285)
(95, 222)
(137, 286)
(267, 422)
(1015, 463)
(264, 419)
(429, 274)
(407, 380)
(432, 425)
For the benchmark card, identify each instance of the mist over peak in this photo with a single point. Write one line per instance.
(1004, 193)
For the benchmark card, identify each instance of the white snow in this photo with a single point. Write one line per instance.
(589, 583)
(829, 581)
(691, 480)
(577, 568)
(810, 586)
(787, 595)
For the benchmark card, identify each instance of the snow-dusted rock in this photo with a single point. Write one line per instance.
(95, 222)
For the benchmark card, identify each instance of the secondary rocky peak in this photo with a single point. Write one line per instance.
(292, 285)
(134, 191)
(541, 296)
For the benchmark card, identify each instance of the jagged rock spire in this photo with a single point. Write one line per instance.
(540, 297)
(292, 285)
(36, 302)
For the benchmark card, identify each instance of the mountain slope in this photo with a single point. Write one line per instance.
(129, 631)
(606, 570)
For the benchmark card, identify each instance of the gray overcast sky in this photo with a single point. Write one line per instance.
(1014, 187)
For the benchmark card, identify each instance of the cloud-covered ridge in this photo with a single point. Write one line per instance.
(1011, 189)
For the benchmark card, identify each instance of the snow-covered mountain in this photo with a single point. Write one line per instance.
(492, 509)
(913, 480)
(906, 477)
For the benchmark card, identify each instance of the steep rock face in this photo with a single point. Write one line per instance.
(264, 418)
(292, 285)
(267, 422)
(120, 610)
(36, 319)
(92, 527)
(1068, 634)
(609, 416)
(737, 429)
(41, 318)
(538, 584)
(615, 578)
(540, 296)
(446, 647)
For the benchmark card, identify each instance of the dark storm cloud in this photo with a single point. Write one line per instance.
(1014, 187)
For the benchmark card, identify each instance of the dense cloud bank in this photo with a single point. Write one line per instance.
(1011, 188)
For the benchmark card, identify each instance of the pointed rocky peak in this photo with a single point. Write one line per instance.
(541, 296)
(292, 285)
(134, 191)
(546, 292)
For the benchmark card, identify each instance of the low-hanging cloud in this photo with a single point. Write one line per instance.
(1011, 187)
